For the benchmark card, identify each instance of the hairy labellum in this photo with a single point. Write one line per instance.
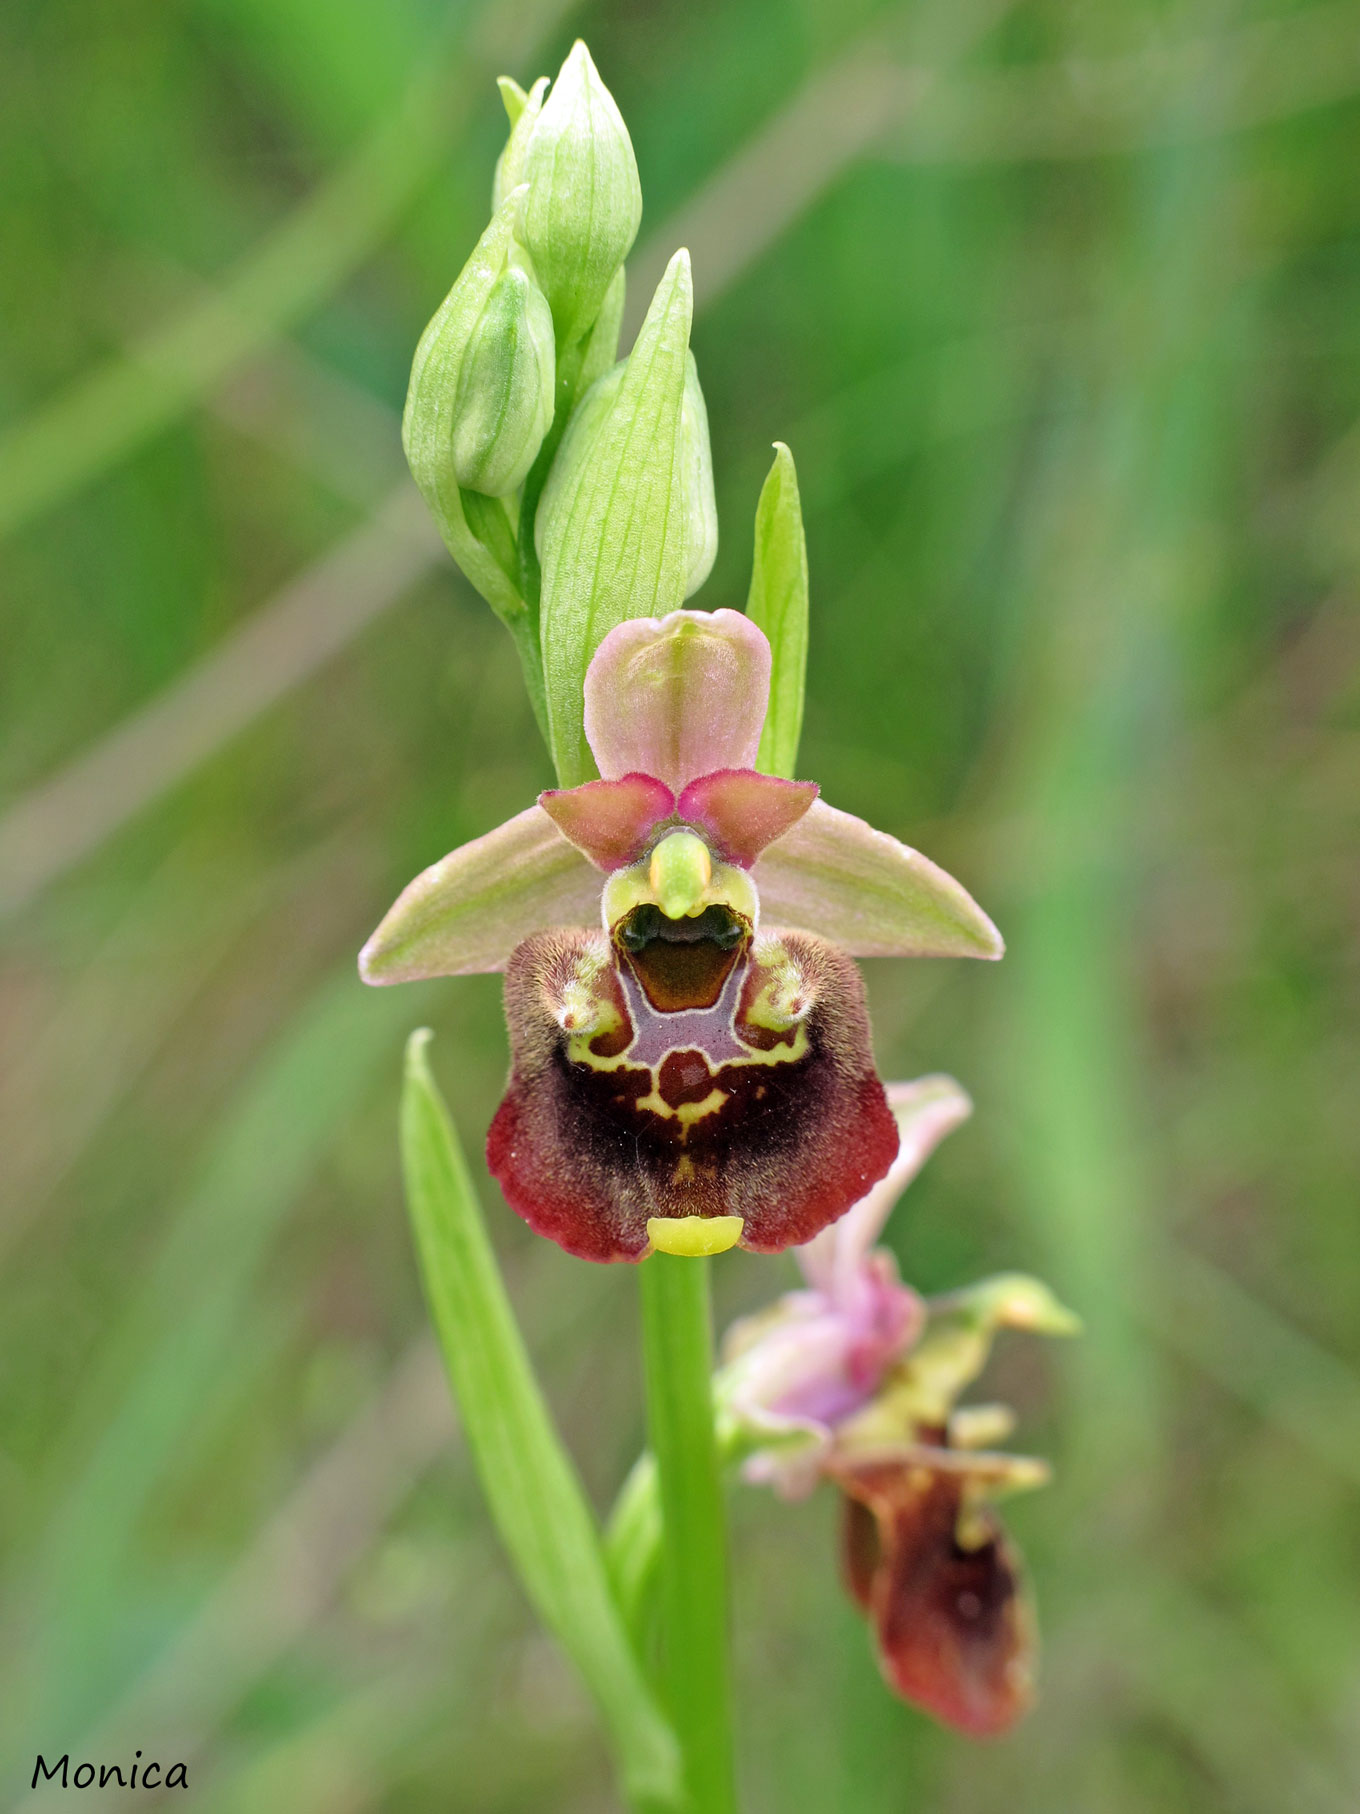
(686, 1069)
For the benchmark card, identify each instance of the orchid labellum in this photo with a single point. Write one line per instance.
(690, 1050)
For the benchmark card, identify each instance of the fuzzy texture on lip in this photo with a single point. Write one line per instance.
(701, 1111)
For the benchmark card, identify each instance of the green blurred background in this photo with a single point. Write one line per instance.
(1059, 308)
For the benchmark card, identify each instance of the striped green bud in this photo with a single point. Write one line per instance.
(585, 202)
(504, 402)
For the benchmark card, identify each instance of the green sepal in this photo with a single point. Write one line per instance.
(613, 526)
(427, 428)
(585, 200)
(530, 1483)
(577, 370)
(778, 603)
(601, 345)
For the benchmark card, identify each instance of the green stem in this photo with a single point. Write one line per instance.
(677, 1338)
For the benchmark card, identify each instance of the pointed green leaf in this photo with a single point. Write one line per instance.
(529, 1481)
(778, 602)
(613, 525)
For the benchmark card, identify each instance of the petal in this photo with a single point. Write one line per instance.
(943, 1585)
(925, 1112)
(467, 912)
(678, 696)
(610, 821)
(743, 811)
(619, 1111)
(836, 876)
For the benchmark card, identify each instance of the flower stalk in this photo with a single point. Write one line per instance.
(677, 1333)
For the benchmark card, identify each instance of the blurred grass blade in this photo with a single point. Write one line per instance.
(100, 419)
(528, 1478)
(778, 602)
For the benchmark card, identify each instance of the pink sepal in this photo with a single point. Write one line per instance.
(678, 696)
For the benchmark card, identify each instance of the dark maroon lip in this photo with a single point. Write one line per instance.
(687, 1110)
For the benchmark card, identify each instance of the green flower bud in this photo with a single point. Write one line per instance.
(585, 201)
(523, 110)
(476, 531)
(504, 401)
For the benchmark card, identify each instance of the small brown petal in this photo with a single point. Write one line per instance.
(943, 1585)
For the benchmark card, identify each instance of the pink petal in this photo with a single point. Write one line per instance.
(743, 811)
(836, 876)
(468, 912)
(610, 820)
(678, 696)
(926, 1111)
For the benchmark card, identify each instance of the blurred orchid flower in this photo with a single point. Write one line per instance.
(691, 1060)
(856, 1380)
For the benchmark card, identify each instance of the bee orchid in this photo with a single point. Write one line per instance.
(690, 1050)
(855, 1380)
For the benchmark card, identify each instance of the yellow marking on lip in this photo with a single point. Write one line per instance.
(688, 1112)
(693, 1236)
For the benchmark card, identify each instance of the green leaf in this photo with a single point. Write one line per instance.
(613, 525)
(529, 1481)
(778, 602)
(632, 1547)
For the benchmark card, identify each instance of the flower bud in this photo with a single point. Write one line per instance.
(504, 401)
(482, 548)
(585, 201)
(523, 110)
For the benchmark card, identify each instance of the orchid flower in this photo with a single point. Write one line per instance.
(856, 1380)
(690, 1050)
